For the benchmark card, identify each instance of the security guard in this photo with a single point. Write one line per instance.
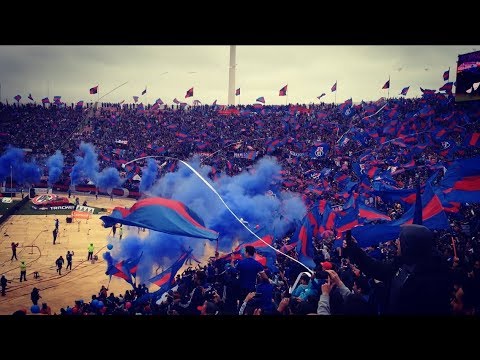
(23, 271)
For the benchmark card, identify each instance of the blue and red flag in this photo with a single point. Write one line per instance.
(17, 98)
(303, 238)
(447, 87)
(446, 75)
(404, 91)
(117, 269)
(427, 91)
(163, 215)
(334, 87)
(461, 182)
(371, 214)
(433, 217)
(131, 265)
(166, 278)
(346, 220)
(472, 139)
(189, 93)
(94, 90)
(283, 91)
(261, 99)
(386, 85)
(237, 92)
(45, 101)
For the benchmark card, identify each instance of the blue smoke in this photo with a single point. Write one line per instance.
(244, 194)
(108, 178)
(55, 167)
(149, 175)
(88, 167)
(22, 172)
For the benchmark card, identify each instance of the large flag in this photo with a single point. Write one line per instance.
(319, 97)
(135, 98)
(45, 101)
(144, 91)
(237, 92)
(30, 97)
(17, 97)
(261, 99)
(387, 85)
(283, 91)
(405, 91)
(163, 215)
(461, 182)
(433, 217)
(334, 87)
(94, 90)
(446, 75)
(189, 93)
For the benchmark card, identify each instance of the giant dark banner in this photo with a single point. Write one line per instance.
(468, 77)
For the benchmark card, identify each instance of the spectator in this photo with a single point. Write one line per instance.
(247, 269)
(35, 296)
(418, 281)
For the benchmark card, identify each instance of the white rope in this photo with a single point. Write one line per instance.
(236, 217)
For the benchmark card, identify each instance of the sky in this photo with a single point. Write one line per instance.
(167, 72)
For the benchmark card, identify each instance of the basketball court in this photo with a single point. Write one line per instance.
(34, 235)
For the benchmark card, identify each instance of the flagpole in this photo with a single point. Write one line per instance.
(336, 89)
(388, 92)
(286, 99)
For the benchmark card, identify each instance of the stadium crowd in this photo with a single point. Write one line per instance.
(335, 154)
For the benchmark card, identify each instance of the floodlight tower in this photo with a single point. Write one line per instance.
(231, 76)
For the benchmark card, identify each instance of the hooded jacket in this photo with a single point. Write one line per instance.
(418, 281)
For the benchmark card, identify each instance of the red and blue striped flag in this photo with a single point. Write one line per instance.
(189, 93)
(163, 215)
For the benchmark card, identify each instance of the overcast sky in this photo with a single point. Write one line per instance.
(169, 71)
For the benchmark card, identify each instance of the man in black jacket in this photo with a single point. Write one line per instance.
(418, 281)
